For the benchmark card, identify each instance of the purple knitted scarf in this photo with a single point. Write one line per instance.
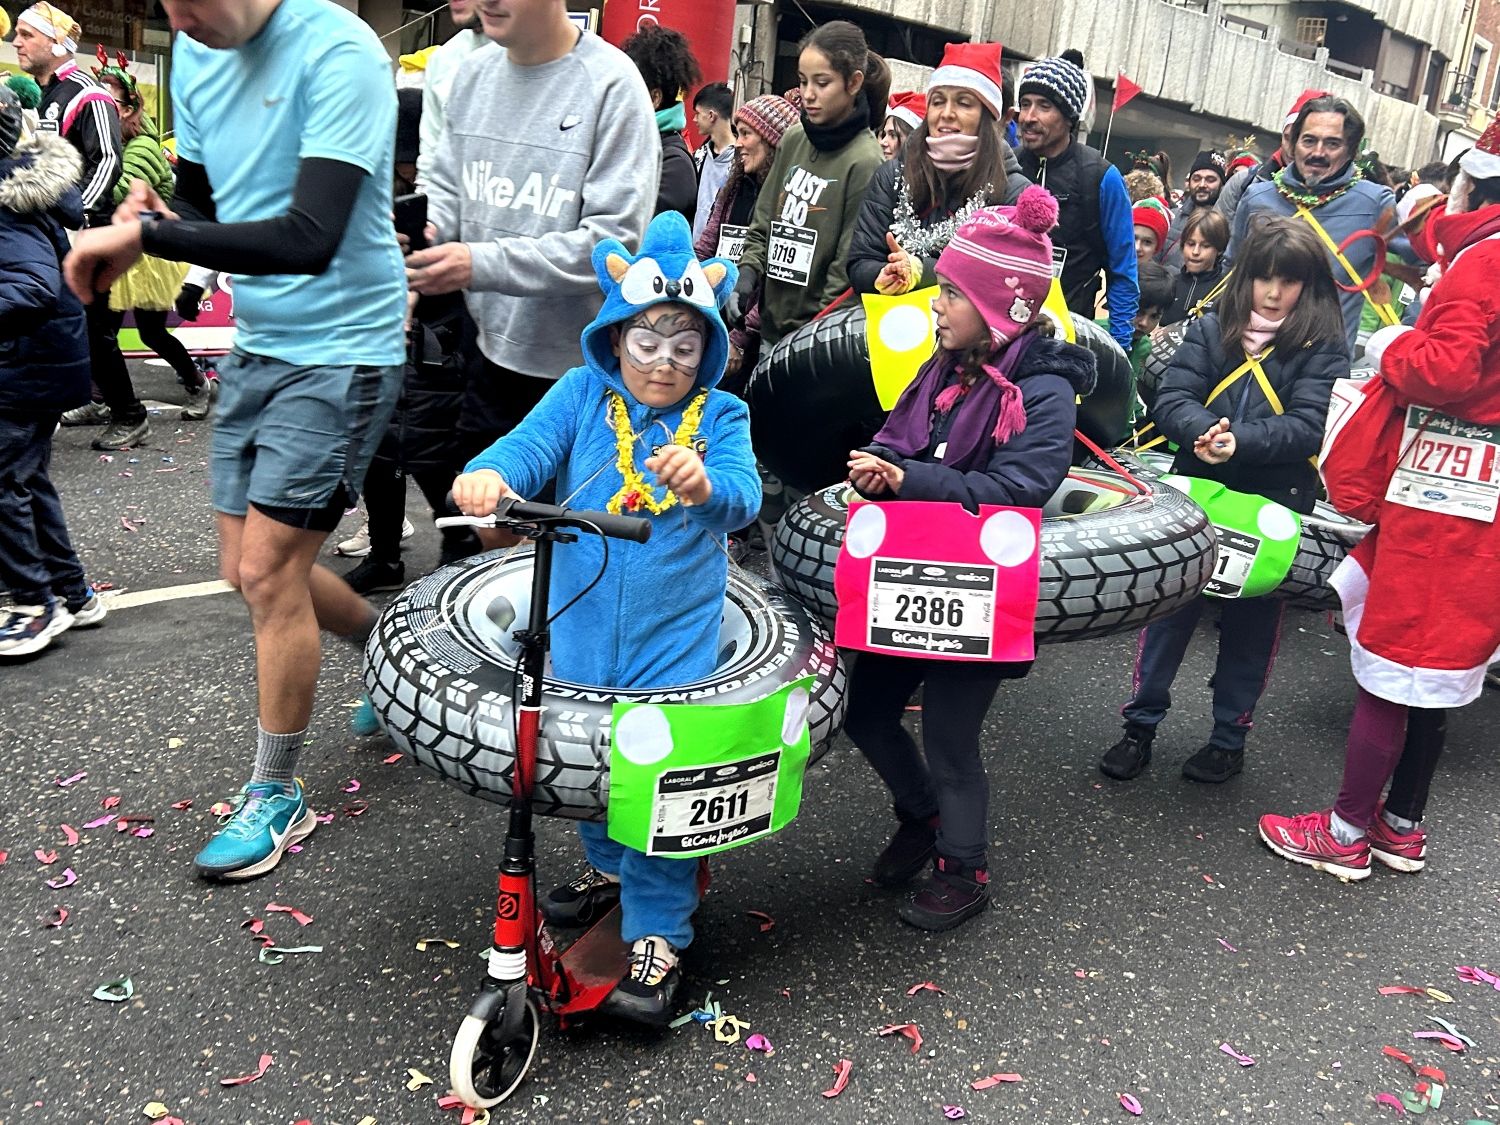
(991, 412)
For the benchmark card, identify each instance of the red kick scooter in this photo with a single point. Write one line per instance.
(528, 972)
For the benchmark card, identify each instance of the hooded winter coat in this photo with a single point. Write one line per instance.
(1025, 471)
(1418, 590)
(652, 621)
(1273, 451)
(44, 352)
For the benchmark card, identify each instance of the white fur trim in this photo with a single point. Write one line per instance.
(1381, 339)
(987, 88)
(901, 113)
(1480, 164)
(1410, 200)
(1412, 687)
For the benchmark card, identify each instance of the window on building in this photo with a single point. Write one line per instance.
(1312, 30)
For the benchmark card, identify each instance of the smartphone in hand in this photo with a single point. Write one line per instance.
(411, 219)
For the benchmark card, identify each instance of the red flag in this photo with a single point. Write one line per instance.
(1125, 89)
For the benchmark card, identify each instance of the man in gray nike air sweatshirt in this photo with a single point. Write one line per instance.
(539, 160)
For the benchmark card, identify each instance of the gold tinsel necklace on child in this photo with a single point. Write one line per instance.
(635, 493)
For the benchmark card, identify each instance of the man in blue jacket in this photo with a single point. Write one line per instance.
(1325, 189)
(1094, 233)
(44, 371)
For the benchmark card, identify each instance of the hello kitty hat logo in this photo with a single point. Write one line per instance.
(1001, 260)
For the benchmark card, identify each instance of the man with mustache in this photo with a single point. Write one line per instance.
(1324, 188)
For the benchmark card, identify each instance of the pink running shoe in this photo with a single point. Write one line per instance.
(1400, 851)
(1307, 839)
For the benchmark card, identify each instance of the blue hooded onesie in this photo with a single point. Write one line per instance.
(653, 619)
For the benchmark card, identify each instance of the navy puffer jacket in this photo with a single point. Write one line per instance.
(44, 352)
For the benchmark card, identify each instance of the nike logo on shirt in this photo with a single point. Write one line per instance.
(570, 121)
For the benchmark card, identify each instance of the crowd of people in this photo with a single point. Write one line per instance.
(578, 309)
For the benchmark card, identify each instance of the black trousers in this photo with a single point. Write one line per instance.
(107, 363)
(946, 777)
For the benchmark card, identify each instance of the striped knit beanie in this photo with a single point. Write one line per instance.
(1060, 82)
(768, 115)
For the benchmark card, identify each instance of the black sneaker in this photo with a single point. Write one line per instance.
(122, 433)
(910, 850)
(89, 414)
(583, 901)
(373, 576)
(1213, 764)
(648, 991)
(952, 895)
(201, 400)
(1128, 757)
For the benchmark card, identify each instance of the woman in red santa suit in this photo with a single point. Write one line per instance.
(1420, 638)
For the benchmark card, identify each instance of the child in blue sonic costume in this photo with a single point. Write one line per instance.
(638, 430)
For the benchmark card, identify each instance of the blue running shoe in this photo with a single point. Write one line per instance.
(265, 822)
(364, 720)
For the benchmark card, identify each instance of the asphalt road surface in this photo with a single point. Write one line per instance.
(1135, 928)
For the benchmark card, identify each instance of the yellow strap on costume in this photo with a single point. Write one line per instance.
(1250, 366)
(1136, 442)
(1213, 294)
(1383, 310)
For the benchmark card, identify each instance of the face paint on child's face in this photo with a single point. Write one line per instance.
(660, 351)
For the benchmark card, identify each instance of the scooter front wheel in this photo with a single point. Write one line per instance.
(484, 1071)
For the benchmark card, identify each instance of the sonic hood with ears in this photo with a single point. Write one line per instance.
(665, 270)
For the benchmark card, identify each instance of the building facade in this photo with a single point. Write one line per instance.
(1213, 71)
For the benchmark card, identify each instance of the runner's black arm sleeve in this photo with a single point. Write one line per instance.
(193, 198)
(302, 241)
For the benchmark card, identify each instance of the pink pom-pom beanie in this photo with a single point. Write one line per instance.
(1001, 260)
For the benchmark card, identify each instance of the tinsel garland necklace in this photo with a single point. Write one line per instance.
(930, 241)
(635, 493)
(1306, 196)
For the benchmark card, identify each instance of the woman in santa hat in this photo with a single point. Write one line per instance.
(904, 113)
(955, 163)
(1416, 592)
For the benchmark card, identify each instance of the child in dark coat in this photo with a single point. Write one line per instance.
(44, 370)
(1245, 400)
(988, 420)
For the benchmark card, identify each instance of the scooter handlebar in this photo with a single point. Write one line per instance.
(511, 511)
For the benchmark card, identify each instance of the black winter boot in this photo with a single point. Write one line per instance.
(910, 850)
(952, 895)
(1127, 758)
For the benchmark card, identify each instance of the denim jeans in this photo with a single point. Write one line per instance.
(1249, 631)
(657, 895)
(37, 560)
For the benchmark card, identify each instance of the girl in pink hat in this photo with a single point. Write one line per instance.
(988, 420)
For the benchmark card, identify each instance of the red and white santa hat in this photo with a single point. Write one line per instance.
(1302, 99)
(909, 107)
(1482, 162)
(973, 66)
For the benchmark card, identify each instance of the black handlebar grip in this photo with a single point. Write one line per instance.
(615, 527)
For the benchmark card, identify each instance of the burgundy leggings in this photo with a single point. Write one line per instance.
(1389, 741)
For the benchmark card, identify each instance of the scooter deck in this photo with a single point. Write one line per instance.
(599, 958)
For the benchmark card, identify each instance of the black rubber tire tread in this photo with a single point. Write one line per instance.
(1327, 538)
(812, 398)
(1103, 573)
(445, 698)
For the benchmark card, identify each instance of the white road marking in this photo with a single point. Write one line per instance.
(132, 598)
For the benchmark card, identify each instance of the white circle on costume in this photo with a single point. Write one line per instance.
(906, 328)
(866, 531)
(644, 735)
(1275, 522)
(794, 720)
(1008, 538)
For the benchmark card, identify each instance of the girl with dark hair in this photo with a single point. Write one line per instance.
(903, 116)
(798, 242)
(955, 163)
(1245, 399)
(669, 69)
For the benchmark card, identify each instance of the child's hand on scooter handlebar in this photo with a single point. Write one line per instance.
(681, 469)
(477, 493)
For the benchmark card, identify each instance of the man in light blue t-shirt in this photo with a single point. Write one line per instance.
(286, 118)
